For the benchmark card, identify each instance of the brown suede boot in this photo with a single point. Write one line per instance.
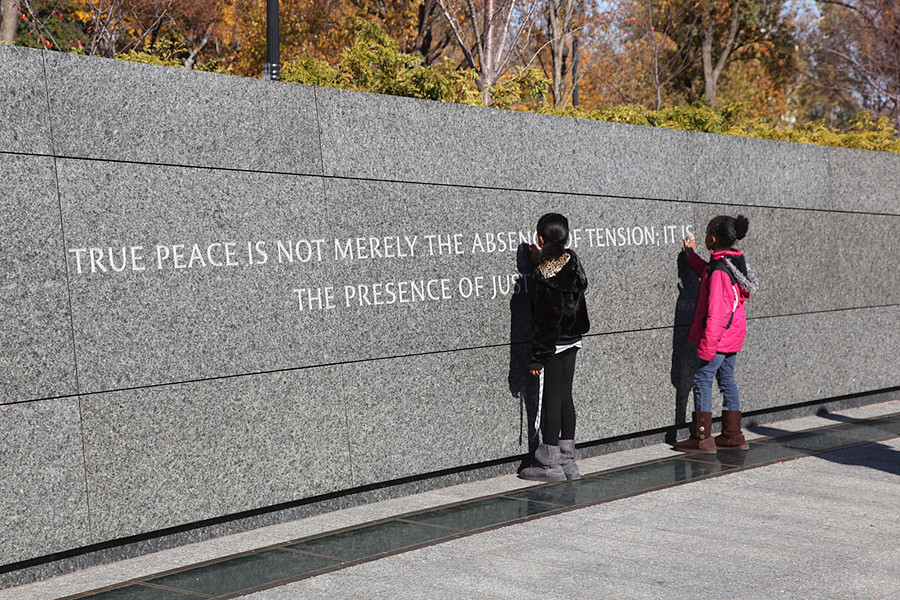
(731, 437)
(701, 440)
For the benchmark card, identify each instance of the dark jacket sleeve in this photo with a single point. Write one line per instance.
(547, 307)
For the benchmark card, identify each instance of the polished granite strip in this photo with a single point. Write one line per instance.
(482, 513)
(587, 490)
(143, 592)
(758, 455)
(233, 576)
(391, 536)
(668, 472)
(831, 438)
(244, 573)
(889, 424)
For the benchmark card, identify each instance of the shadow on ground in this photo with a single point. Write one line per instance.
(873, 455)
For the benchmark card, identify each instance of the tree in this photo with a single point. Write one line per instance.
(857, 45)
(560, 25)
(374, 63)
(400, 19)
(114, 26)
(433, 35)
(660, 44)
(495, 41)
(719, 25)
(9, 19)
(321, 29)
(563, 43)
(760, 77)
(315, 28)
(417, 25)
(741, 31)
(50, 24)
(193, 24)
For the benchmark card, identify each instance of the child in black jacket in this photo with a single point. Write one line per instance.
(559, 319)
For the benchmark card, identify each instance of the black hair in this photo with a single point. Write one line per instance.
(728, 229)
(554, 229)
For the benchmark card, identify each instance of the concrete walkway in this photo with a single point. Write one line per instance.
(822, 527)
(814, 528)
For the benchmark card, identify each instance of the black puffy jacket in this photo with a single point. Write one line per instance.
(558, 310)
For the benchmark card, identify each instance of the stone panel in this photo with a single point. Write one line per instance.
(639, 381)
(632, 381)
(865, 181)
(865, 250)
(458, 408)
(743, 171)
(373, 136)
(630, 251)
(115, 110)
(42, 484)
(163, 456)
(596, 157)
(806, 357)
(454, 237)
(23, 112)
(37, 358)
(168, 324)
(447, 410)
(815, 261)
(383, 137)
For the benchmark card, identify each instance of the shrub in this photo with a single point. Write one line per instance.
(374, 63)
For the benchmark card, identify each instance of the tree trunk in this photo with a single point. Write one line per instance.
(487, 77)
(196, 49)
(709, 83)
(555, 48)
(711, 73)
(575, 71)
(430, 41)
(9, 20)
(491, 29)
(657, 86)
(559, 21)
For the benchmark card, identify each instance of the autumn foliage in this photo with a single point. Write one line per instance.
(824, 73)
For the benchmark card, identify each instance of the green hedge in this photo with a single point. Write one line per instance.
(375, 64)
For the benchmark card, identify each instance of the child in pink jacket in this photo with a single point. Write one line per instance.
(718, 330)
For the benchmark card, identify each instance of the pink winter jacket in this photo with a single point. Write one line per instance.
(714, 306)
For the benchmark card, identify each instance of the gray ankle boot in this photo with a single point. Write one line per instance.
(568, 457)
(547, 467)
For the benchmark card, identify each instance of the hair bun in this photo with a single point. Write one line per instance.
(554, 230)
(741, 223)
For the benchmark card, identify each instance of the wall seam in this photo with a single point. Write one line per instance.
(469, 186)
(319, 130)
(62, 231)
(433, 353)
(339, 372)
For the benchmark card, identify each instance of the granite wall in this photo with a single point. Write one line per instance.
(221, 295)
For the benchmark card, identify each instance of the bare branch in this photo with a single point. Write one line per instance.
(458, 34)
(136, 43)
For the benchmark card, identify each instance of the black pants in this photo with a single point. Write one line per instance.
(557, 406)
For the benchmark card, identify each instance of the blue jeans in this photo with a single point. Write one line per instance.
(722, 368)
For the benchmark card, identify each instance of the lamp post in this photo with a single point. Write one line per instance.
(272, 68)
